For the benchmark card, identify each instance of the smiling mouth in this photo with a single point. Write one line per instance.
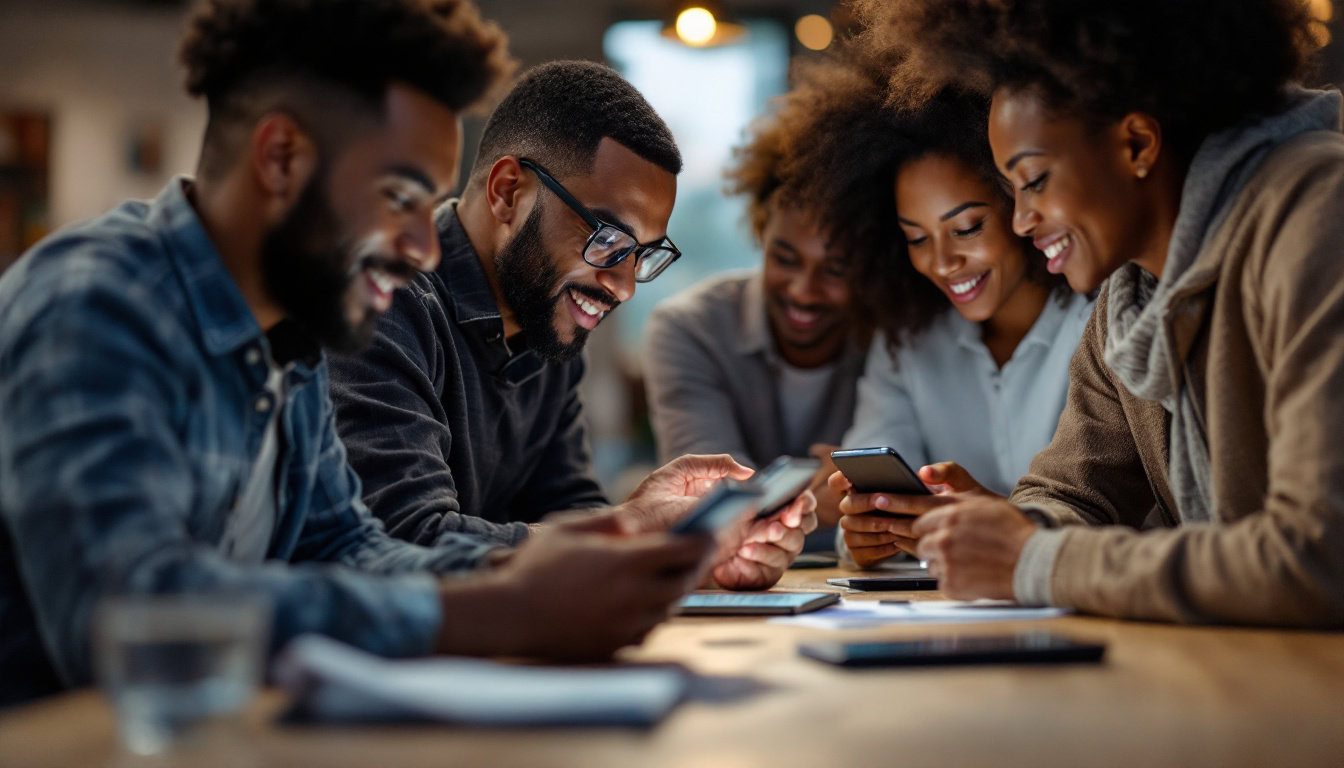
(967, 290)
(587, 311)
(1056, 251)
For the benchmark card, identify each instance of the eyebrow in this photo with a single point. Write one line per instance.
(906, 221)
(781, 243)
(610, 217)
(1012, 161)
(962, 207)
(411, 173)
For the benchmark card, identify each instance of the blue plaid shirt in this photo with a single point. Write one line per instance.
(132, 405)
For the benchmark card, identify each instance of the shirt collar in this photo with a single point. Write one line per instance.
(1042, 332)
(460, 268)
(474, 306)
(221, 312)
(753, 334)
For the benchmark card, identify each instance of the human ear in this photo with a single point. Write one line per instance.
(1142, 136)
(506, 190)
(283, 160)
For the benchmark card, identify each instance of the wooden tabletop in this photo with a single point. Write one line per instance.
(1165, 696)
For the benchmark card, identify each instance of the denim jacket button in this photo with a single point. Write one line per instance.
(263, 404)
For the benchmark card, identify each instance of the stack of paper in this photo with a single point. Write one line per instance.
(859, 614)
(332, 681)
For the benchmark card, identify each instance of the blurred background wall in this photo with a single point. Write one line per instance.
(92, 111)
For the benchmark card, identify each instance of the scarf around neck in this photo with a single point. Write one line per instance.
(1140, 345)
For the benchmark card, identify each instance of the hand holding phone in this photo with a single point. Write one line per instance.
(878, 470)
(724, 504)
(782, 481)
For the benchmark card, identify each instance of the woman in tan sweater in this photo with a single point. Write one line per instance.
(1162, 153)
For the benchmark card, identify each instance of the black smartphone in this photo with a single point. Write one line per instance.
(874, 470)
(906, 583)
(1020, 648)
(721, 506)
(782, 480)
(753, 603)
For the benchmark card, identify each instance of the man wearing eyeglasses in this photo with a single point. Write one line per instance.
(464, 416)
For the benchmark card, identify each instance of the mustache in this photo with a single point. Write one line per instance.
(393, 267)
(595, 294)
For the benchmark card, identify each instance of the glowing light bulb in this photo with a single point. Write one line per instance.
(814, 32)
(696, 26)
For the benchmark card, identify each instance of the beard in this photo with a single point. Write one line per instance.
(309, 269)
(528, 279)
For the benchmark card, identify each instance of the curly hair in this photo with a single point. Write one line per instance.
(834, 145)
(234, 50)
(559, 112)
(1197, 66)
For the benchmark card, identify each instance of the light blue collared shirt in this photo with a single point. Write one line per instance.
(943, 398)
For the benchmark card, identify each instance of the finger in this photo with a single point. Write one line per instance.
(768, 555)
(927, 524)
(716, 466)
(870, 555)
(856, 540)
(838, 482)
(930, 548)
(809, 523)
(950, 475)
(868, 523)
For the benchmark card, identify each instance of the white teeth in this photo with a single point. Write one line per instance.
(1054, 249)
(960, 288)
(588, 307)
(385, 284)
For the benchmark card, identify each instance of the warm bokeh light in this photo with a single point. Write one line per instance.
(814, 32)
(1320, 34)
(1322, 10)
(696, 26)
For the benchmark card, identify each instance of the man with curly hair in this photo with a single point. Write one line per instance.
(164, 418)
(764, 363)
(464, 414)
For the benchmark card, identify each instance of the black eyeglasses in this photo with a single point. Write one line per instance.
(610, 244)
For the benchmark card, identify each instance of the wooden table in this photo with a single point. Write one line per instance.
(1166, 695)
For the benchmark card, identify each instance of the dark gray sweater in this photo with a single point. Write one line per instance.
(451, 427)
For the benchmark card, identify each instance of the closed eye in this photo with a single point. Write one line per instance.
(971, 230)
(1036, 184)
(913, 241)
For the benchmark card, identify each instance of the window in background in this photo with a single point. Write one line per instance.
(708, 96)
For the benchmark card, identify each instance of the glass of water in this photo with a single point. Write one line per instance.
(173, 664)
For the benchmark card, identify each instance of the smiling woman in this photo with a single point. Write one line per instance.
(1169, 150)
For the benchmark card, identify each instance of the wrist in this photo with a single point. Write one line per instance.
(480, 615)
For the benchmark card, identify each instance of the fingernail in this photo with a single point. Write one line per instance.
(881, 502)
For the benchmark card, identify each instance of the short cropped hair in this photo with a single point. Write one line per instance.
(239, 53)
(559, 112)
(1197, 66)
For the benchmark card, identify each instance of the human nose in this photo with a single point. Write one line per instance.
(946, 260)
(1025, 219)
(803, 287)
(619, 280)
(418, 243)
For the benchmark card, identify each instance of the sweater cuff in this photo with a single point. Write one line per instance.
(1031, 577)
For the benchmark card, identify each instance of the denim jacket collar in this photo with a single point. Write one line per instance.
(226, 321)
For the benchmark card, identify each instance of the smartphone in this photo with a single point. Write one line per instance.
(876, 470)
(1020, 648)
(723, 505)
(753, 603)
(908, 583)
(782, 480)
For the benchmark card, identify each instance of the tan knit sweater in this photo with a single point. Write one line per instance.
(1266, 367)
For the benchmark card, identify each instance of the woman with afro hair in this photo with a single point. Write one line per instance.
(1165, 154)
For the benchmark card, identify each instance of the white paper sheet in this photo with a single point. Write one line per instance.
(858, 614)
(333, 681)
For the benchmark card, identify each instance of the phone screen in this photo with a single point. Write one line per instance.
(782, 481)
(724, 504)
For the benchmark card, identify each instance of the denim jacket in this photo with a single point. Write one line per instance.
(132, 405)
